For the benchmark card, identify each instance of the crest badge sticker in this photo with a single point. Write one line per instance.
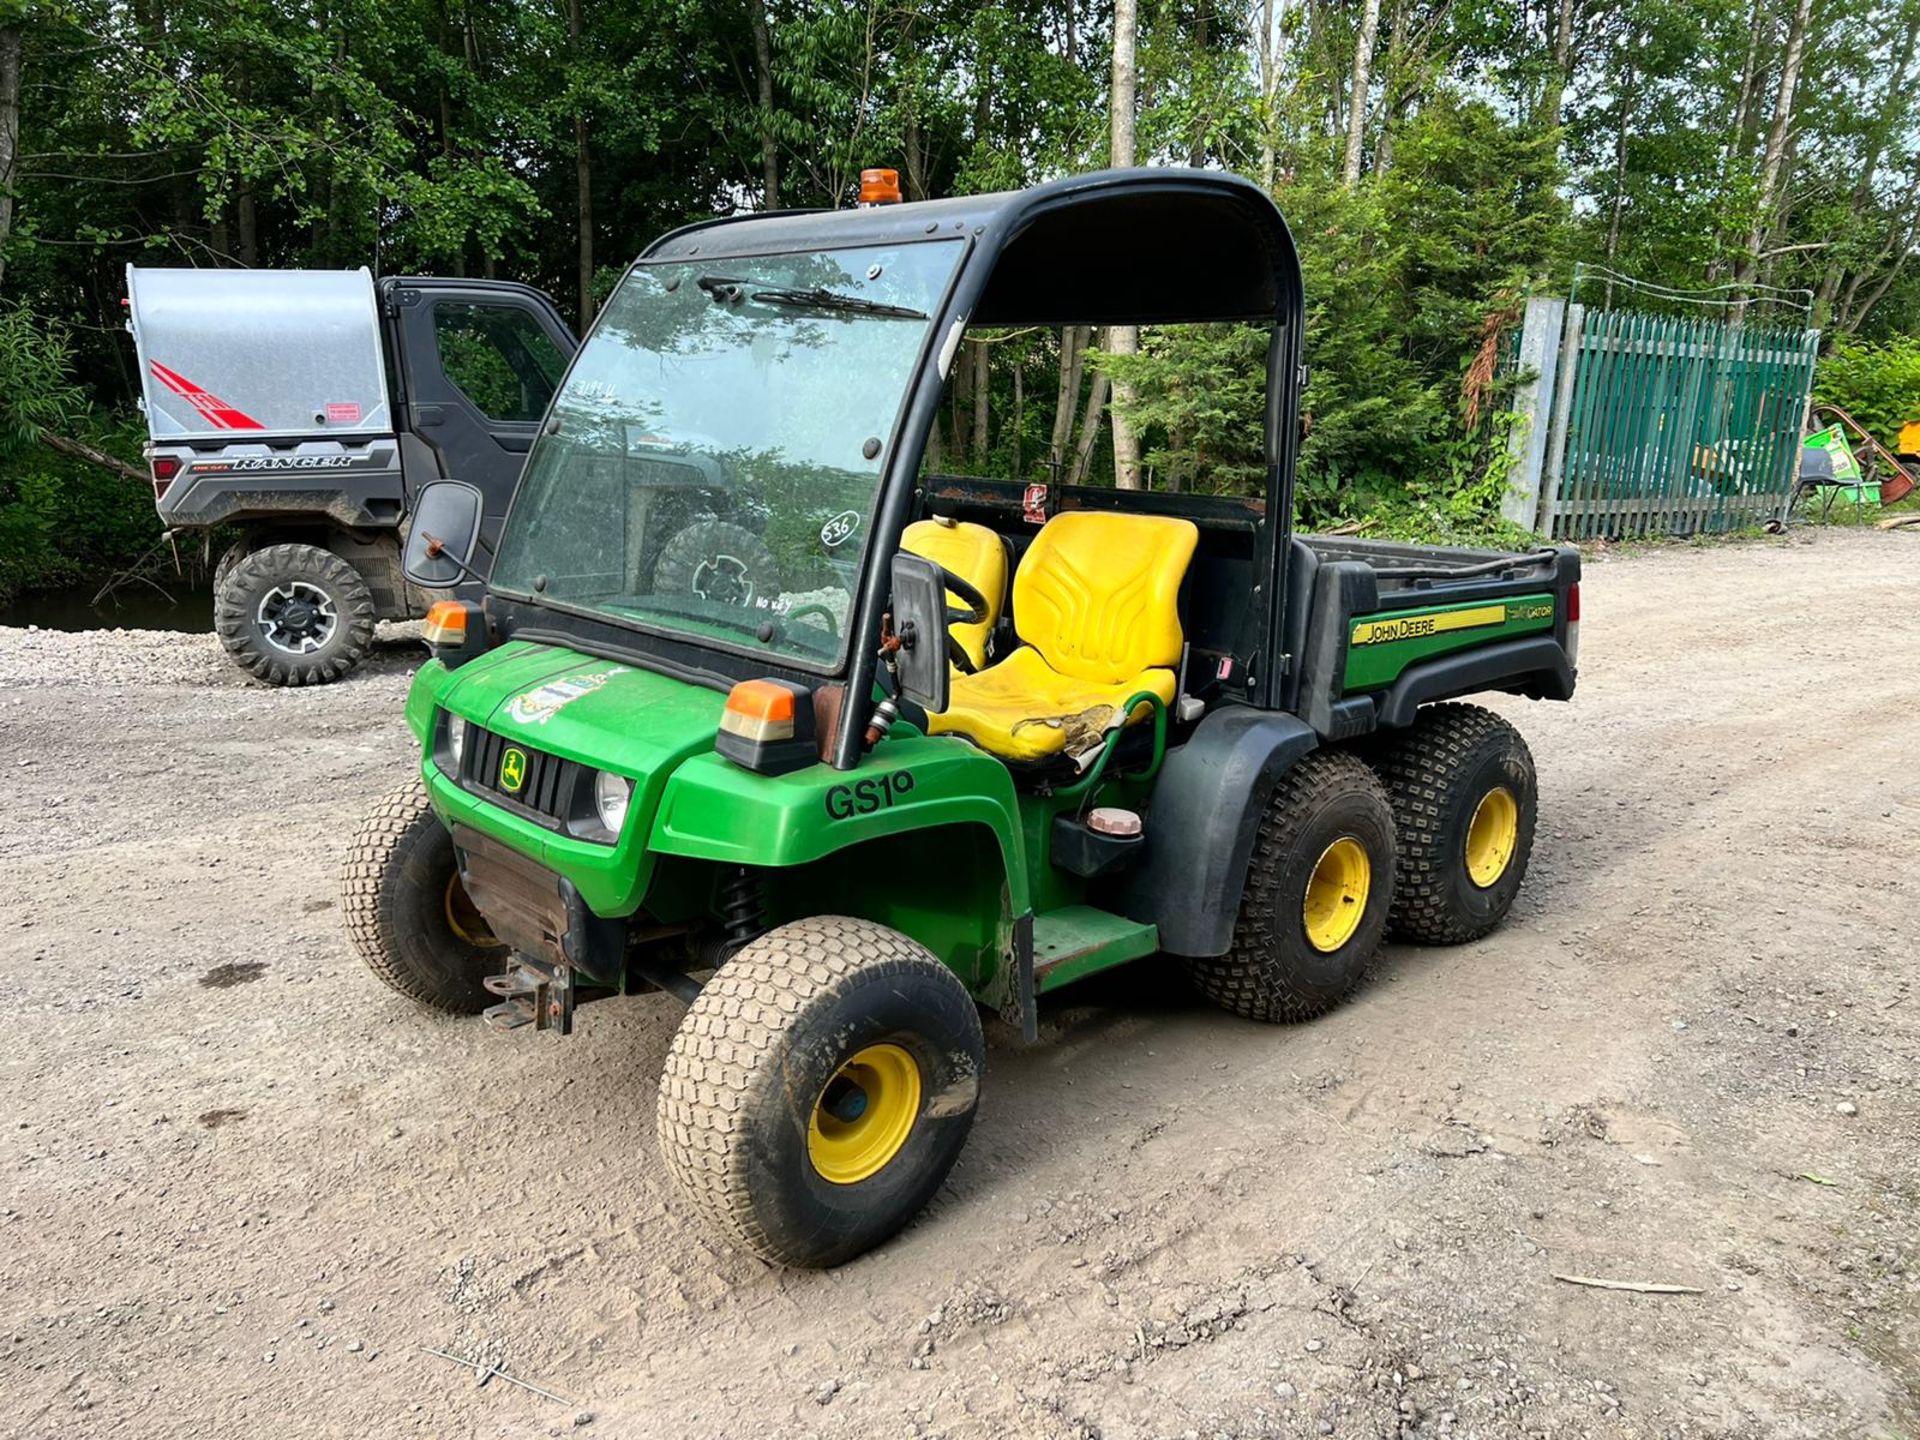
(543, 702)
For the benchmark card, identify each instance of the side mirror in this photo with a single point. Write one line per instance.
(444, 530)
(920, 620)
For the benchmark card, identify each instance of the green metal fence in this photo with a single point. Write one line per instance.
(1672, 424)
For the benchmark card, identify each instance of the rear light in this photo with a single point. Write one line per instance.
(768, 727)
(1573, 624)
(165, 467)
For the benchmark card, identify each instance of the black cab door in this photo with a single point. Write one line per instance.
(478, 360)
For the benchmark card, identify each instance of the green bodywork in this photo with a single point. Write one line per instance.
(927, 835)
(1381, 645)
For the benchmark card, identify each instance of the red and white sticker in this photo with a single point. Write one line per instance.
(343, 412)
(1033, 507)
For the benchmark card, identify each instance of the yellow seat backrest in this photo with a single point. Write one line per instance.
(978, 556)
(1097, 594)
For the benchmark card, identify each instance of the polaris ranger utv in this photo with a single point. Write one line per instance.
(307, 408)
(990, 737)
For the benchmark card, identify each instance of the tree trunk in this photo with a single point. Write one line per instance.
(1019, 412)
(1395, 94)
(982, 393)
(1773, 163)
(1898, 248)
(1089, 430)
(1357, 95)
(80, 450)
(582, 175)
(1073, 347)
(1620, 172)
(1124, 339)
(1554, 93)
(1893, 105)
(1270, 13)
(9, 133)
(247, 223)
(763, 83)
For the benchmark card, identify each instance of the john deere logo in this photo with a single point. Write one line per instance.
(513, 770)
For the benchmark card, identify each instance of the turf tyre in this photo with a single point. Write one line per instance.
(255, 577)
(400, 899)
(1437, 774)
(753, 1057)
(1273, 971)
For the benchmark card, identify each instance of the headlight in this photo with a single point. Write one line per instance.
(610, 795)
(456, 738)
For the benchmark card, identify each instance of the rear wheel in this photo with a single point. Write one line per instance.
(1319, 886)
(819, 1089)
(294, 614)
(407, 913)
(1465, 801)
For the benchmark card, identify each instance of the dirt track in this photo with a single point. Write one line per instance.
(241, 1184)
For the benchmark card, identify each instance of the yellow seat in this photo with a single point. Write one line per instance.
(1096, 599)
(976, 555)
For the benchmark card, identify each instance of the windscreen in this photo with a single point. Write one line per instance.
(710, 467)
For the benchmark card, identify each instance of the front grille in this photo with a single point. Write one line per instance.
(547, 782)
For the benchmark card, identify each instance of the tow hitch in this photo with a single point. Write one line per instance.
(534, 993)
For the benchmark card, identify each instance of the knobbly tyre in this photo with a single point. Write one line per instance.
(988, 739)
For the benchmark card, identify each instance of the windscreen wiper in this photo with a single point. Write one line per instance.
(726, 290)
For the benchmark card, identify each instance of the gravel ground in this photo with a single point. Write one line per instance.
(241, 1185)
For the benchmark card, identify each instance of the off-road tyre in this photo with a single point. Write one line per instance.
(400, 897)
(1273, 971)
(1437, 774)
(753, 1059)
(229, 557)
(294, 571)
(719, 561)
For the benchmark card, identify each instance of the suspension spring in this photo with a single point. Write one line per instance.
(743, 907)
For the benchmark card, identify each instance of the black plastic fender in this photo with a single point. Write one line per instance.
(1200, 826)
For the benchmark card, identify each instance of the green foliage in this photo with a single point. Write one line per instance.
(417, 135)
(1879, 385)
(1199, 397)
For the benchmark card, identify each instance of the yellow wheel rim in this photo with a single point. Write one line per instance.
(464, 917)
(864, 1115)
(1492, 836)
(1337, 894)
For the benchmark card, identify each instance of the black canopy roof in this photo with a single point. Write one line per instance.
(1146, 246)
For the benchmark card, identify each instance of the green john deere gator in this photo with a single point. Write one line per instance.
(973, 740)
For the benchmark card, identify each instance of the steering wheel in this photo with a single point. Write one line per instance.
(833, 628)
(974, 614)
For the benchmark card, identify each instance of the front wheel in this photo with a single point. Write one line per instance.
(408, 914)
(1466, 801)
(294, 614)
(819, 1089)
(1319, 886)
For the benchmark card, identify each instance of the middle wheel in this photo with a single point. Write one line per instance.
(1319, 886)
(820, 1088)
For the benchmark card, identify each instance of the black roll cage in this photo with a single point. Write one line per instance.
(1114, 247)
